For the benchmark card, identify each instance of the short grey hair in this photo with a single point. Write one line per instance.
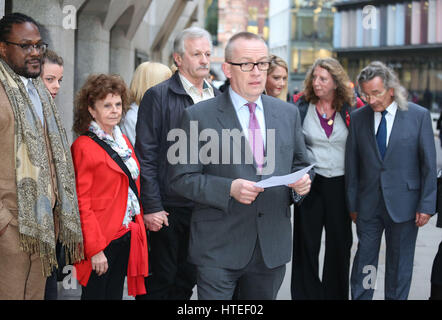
(389, 78)
(190, 33)
(228, 51)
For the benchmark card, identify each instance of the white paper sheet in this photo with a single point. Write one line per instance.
(283, 180)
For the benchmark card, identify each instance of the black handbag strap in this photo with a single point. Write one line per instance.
(116, 158)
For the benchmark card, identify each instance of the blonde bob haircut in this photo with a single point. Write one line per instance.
(147, 75)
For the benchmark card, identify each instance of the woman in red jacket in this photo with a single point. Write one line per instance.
(111, 215)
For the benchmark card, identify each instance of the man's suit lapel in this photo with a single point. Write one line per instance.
(269, 115)
(226, 114)
(372, 135)
(394, 135)
(395, 131)
(272, 123)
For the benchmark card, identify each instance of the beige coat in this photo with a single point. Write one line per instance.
(21, 275)
(8, 187)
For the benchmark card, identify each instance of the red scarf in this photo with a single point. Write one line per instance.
(137, 268)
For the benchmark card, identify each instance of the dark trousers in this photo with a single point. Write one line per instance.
(51, 289)
(436, 276)
(172, 276)
(400, 243)
(254, 282)
(110, 285)
(440, 137)
(325, 206)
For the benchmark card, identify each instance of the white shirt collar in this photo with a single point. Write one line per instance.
(239, 102)
(25, 81)
(391, 109)
(188, 85)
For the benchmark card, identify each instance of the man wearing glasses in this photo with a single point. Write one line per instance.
(390, 171)
(240, 234)
(37, 185)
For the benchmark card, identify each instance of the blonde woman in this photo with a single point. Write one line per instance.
(147, 75)
(277, 75)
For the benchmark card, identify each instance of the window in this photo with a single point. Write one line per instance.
(309, 25)
(325, 28)
(303, 59)
(253, 14)
(306, 29)
(307, 57)
(140, 57)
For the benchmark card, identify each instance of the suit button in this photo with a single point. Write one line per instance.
(260, 214)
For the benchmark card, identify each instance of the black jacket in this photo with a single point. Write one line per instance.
(160, 111)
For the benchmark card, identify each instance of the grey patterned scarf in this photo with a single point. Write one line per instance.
(35, 216)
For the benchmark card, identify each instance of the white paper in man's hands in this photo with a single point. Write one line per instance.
(283, 180)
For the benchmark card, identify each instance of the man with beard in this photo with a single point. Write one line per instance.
(38, 203)
(160, 111)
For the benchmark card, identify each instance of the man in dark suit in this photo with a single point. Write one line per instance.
(436, 271)
(240, 234)
(390, 181)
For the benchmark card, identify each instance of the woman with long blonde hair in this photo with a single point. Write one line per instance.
(147, 75)
(277, 78)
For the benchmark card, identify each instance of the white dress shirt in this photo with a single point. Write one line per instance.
(243, 113)
(389, 118)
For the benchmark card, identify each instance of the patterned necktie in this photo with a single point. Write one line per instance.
(33, 94)
(381, 135)
(255, 137)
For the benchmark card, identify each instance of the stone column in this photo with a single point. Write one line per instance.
(92, 54)
(122, 57)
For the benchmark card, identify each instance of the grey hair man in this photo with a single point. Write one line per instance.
(390, 171)
(166, 214)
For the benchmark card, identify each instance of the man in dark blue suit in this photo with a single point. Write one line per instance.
(390, 181)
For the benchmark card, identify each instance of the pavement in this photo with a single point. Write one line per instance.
(427, 243)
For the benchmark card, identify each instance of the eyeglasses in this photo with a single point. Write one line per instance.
(368, 97)
(248, 66)
(27, 47)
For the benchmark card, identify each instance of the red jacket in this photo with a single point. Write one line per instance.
(102, 189)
